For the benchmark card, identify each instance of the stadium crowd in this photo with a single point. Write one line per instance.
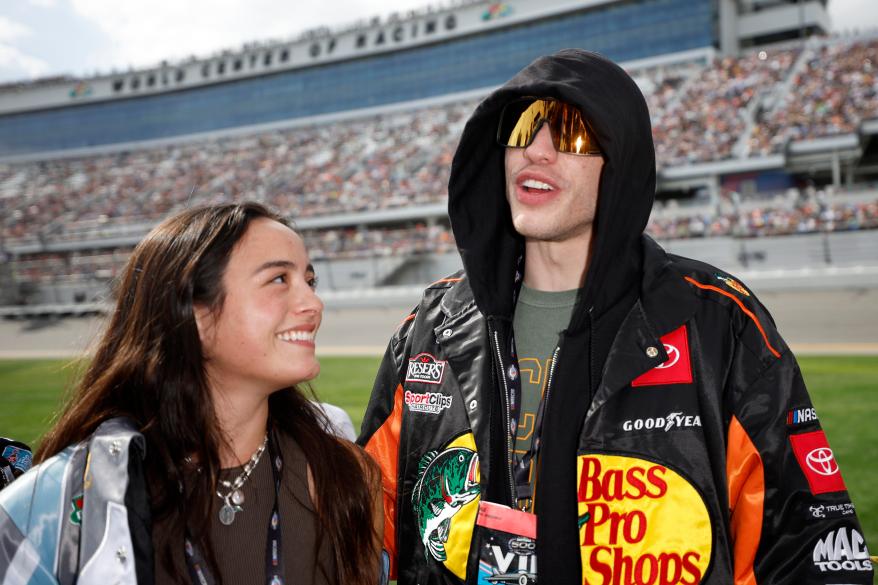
(709, 118)
(803, 217)
(796, 215)
(835, 91)
(402, 158)
(393, 160)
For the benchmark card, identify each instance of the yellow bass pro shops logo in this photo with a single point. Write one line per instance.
(640, 522)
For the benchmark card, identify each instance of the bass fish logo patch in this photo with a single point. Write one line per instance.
(640, 522)
(445, 502)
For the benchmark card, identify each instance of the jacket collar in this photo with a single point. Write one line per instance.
(458, 299)
(666, 302)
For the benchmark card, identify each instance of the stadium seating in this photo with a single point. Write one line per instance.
(731, 108)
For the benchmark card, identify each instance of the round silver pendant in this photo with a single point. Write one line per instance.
(237, 497)
(227, 514)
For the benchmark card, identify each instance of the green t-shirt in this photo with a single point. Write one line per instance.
(540, 317)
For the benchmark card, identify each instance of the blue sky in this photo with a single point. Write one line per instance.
(40, 38)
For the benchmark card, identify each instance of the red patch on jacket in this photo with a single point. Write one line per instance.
(678, 369)
(817, 462)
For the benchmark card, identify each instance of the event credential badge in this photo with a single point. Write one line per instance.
(508, 552)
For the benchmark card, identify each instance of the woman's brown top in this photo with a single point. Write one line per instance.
(239, 549)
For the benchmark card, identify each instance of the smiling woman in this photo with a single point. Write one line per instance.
(187, 453)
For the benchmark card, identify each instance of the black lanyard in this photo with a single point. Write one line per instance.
(274, 566)
(522, 464)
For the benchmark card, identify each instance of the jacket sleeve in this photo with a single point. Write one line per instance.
(791, 518)
(379, 434)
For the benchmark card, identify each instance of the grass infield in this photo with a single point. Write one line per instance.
(844, 391)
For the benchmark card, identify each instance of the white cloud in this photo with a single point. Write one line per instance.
(13, 62)
(11, 31)
(853, 14)
(43, 3)
(145, 33)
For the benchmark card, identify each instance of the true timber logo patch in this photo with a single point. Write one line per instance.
(425, 368)
(447, 481)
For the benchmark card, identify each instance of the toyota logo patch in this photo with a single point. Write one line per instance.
(821, 461)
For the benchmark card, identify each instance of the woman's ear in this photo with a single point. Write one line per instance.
(206, 323)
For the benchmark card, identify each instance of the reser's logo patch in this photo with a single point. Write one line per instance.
(817, 462)
(800, 416)
(640, 522)
(673, 420)
(431, 402)
(841, 550)
(425, 368)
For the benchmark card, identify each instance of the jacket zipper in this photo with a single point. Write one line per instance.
(546, 405)
(549, 380)
(508, 424)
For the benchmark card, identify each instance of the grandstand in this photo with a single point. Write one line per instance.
(765, 130)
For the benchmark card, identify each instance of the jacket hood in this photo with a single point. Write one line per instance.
(480, 216)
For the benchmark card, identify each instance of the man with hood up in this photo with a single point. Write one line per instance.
(577, 405)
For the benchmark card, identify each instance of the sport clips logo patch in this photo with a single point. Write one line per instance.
(429, 402)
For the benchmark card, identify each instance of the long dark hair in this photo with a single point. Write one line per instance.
(149, 366)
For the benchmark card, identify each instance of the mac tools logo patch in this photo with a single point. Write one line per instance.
(842, 551)
(425, 368)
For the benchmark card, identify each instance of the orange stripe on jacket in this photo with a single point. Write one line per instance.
(440, 281)
(746, 479)
(747, 311)
(383, 446)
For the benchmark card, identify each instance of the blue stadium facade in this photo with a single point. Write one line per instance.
(624, 31)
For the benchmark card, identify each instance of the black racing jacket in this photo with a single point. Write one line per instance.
(700, 460)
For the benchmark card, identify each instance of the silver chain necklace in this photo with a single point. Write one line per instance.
(234, 497)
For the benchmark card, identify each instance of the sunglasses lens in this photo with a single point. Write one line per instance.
(521, 120)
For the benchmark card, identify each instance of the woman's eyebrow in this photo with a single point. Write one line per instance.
(276, 264)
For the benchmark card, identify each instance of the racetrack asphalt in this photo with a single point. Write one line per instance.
(812, 322)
